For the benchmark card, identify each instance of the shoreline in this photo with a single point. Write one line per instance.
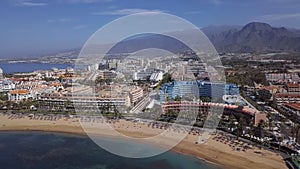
(212, 152)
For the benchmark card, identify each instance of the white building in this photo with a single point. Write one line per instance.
(141, 75)
(156, 76)
(18, 95)
(6, 85)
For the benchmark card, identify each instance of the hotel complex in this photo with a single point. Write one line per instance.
(198, 89)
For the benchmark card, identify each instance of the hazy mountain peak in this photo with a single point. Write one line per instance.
(257, 26)
(256, 37)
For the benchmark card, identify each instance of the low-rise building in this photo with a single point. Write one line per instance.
(81, 101)
(282, 98)
(142, 75)
(282, 77)
(106, 74)
(135, 94)
(19, 95)
(251, 115)
(157, 76)
(7, 85)
(273, 89)
(292, 108)
(293, 87)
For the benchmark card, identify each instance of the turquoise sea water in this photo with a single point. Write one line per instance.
(40, 150)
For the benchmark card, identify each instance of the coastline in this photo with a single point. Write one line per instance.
(213, 152)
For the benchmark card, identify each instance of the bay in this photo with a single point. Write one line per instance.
(43, 150)
(30, 67)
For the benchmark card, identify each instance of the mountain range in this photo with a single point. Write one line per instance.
(254, 37)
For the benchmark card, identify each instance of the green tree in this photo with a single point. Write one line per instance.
(232, 121)
(264, 95)
(295, 132)
(260, 128)
(241, 125)
(270, 120)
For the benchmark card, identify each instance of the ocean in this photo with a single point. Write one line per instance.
(30, 67)
(43, 150)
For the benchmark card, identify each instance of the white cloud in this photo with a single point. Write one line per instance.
(30, 3)
(82, 1)
(127, 11)
(44, 2)
(59, 20)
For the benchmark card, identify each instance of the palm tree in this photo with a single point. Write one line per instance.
(260, 127)
(295, 132)
(177, 98)
(232, 120)
(251, 128)
(241, 125)
(117, 113)
(270, 120)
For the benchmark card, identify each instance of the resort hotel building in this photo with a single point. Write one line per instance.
(170, 91)
(172, 97)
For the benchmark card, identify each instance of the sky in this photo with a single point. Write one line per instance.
(34, 27)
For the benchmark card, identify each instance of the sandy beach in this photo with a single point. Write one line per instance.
(219, 149)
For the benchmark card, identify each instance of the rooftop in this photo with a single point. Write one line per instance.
(295, 106)
(19, 92)
(293, 85)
